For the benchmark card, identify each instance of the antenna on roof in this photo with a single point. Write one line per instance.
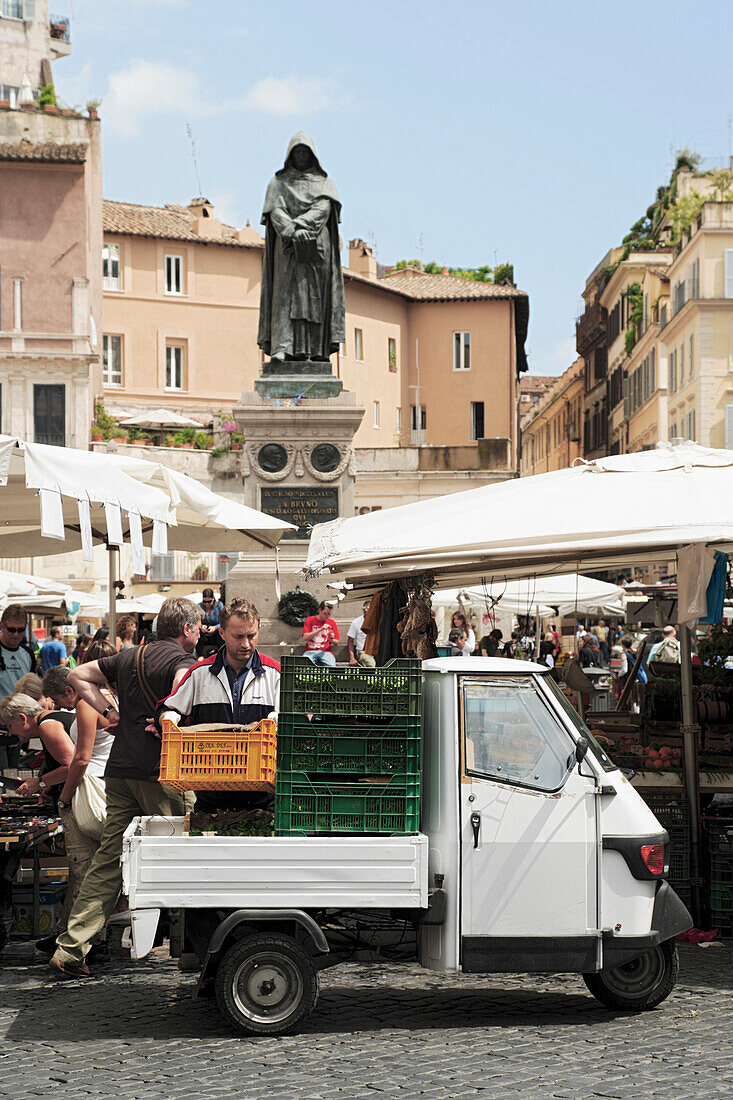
(372, 240)
(421, 251)
(189, 131)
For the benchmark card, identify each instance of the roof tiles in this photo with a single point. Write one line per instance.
(173, 223)
(44, 152)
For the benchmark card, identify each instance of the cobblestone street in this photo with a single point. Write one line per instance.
(137, 1031)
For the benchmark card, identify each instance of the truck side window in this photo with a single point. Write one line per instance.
(511, 735)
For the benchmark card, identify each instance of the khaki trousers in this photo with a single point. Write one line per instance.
(126, 799)
(80, 849)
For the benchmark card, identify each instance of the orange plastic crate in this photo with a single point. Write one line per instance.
(192, 759)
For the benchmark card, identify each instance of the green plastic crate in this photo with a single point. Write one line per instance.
(304, 807)
(721, 899)
(350, 747)
(384, 692)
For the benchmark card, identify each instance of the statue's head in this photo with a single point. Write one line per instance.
(301, 157)
(301, 153)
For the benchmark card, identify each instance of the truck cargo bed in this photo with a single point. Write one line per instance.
(163, 868)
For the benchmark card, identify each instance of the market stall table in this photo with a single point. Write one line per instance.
(23, 828)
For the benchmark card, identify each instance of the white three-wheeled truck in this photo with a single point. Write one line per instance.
(535, 855)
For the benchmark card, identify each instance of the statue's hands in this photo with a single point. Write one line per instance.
(303, 235)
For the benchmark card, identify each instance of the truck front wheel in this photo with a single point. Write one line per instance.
(266, 985)
(640, 984)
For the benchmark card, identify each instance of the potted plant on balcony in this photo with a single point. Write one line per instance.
(169, 441)
(185, 438)
(93, 107)
(203, 441)
(237, 441)
(201, 573)
(139, 438)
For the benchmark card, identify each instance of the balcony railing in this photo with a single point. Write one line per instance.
(590, 327)
(59, 28)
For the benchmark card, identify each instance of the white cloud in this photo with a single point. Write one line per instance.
(151, 88)
(289, 95)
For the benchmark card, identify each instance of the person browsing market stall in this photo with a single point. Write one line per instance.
(140, 676)
(319, 633)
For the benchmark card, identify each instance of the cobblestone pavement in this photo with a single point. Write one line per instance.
(136, 1031)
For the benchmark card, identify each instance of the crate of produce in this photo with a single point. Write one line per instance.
(393, 689)
(209, 758)
(351, 746)
(306, 807)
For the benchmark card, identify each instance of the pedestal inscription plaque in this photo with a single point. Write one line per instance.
(303, 506)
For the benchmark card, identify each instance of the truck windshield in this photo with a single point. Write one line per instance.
(511, 733)
(600, 754)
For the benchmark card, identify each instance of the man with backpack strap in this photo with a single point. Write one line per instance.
(667, 650)
(141, 676)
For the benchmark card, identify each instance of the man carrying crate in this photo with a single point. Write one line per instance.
(235, 686)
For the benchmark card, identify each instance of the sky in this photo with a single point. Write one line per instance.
(534, 132)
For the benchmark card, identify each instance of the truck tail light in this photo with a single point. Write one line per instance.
(653, 857)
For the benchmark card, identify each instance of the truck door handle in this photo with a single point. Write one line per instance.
(476, 826)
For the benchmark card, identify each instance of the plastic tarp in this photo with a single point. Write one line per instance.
(642, 507)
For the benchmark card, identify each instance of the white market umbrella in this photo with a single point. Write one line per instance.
(160, 418)
(51, 497)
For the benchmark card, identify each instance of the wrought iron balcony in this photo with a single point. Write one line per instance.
(590, 328)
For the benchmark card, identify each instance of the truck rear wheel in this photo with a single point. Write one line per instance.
(640, 984)
(266, 985)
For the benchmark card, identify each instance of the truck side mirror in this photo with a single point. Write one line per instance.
(581, 749)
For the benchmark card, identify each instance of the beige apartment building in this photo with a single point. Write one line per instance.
(181, 301)
(551, 429)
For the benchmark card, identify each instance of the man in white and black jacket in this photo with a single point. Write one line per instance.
(235, 686)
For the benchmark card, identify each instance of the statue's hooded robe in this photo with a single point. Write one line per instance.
(302, 298)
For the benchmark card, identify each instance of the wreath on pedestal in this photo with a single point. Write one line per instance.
(296, 605)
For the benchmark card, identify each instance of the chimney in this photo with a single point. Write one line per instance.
(205, 224)
(361, 259)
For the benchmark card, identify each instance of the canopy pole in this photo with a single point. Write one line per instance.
(690, 732)
(112, 552)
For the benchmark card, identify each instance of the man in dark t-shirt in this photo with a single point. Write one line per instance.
(140, 677)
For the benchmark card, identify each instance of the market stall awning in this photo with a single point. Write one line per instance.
(595, 514)
(567, 593)
(56, 499)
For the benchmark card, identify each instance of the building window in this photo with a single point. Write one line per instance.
(13, 9)
(682, 363)
(398, 420)
(112, 360)
(163, 567)
(358, 345)
(728, 274)
(174, 367)
(49, 415)
(111, 267)
(392, 354)
(477, 420)
(673, 431)
(417, 438)
(174, 274)
(673, 372)
(693, 279)
(692, 355)
(691, 424)
(10, 92)
(461, 351)
(375, 414)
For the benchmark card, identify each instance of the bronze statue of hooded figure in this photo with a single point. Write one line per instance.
(302, 297)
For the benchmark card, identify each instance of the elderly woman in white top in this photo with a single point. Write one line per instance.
(82, 801)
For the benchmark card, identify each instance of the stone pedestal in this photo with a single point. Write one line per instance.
(298, 464)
